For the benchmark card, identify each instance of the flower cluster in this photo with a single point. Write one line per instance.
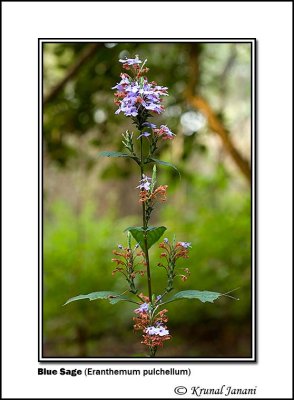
(154, 328)
(127, 262)
(144, 307)
(135, 94)
(145, 183)
(164, 132)
(130, 61)
(159, 330)
(157, 194)
(149, 194)
(174, 251)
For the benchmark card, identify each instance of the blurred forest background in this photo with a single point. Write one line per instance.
(89, 201)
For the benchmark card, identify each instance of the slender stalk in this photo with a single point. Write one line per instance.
(145, 226)
(152, 351)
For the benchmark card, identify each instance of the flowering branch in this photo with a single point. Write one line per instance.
(139, 99)
(145, 220)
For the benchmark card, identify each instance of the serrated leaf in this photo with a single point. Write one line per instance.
(203, 296)
(112, 297)
(153, 234)
(160, 162)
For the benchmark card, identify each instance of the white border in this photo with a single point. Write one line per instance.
(253, 267)
(22, 24)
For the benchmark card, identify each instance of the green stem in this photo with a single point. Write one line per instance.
(145, 226)
(152, 351)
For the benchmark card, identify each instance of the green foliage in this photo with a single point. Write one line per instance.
(112, 297)
(160, 162)
(153, 234)
(77, 258)
(203, 296)
(85, 104)
(215, 217)
(117, 154)
(211, 214)
(112, 154)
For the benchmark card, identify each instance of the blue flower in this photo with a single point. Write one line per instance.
(145, 134)
(164, 132)
(185, 244)
(145, 184)
(131, 61)
(149, 125)
(136, 93)
(158, 298)
(151, 330)
(161, 331)
(142, 309)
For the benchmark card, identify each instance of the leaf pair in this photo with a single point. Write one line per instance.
(113, 298)
(152, 234)
(135, 158)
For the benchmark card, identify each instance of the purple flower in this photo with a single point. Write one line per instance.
(154, 107)
(120, 246)
(131, 61)
(158, 298)
(149, 125)
(185, 244)
(121, 85)
(133, 94)
(164, 132)
(142, 309)
(165, 240)
(145, 184)
(152, 330)
(162, 331)
(145, 134)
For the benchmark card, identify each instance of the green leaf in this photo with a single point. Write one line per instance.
(165, 163)
(153, 180)
(117, 154)
(112, 154)
(112, 297)
(203, 296)
(116, 299)
(153, 234)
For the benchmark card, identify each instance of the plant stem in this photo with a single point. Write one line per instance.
(145, 226)
(152, 351)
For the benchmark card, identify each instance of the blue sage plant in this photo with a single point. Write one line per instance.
(140, 100)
